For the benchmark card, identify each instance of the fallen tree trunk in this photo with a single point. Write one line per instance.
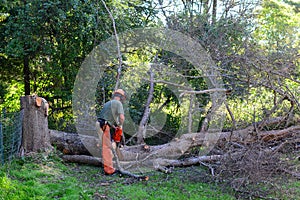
(157, 163)
(83, 159)
(71, 144)
(160, 156)
(165, 154)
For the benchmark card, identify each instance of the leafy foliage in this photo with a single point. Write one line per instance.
(249, 44)
(56, 36)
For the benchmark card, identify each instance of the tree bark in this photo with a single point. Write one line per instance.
(145, 118)
(214, 11)
(95, 161)
(160, 157)
(36, 136)
(158, 162)
(274, 135)
(26, 72)
(118, 45)
(70, 143)
(83, 159)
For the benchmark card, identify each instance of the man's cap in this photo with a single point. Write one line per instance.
(120, 91)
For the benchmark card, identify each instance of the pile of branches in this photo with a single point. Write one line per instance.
(246, 167)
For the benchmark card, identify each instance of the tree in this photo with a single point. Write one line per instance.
(256, 49)
(45, 42)
(230, 39)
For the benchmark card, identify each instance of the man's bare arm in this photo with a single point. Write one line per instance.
(121, 119)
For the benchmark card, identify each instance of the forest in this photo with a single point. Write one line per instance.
(212, 84)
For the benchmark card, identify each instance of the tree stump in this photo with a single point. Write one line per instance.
(35, 136)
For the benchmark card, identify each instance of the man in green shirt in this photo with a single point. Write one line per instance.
(111, 116)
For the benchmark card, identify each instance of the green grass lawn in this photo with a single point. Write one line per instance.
(48, 177)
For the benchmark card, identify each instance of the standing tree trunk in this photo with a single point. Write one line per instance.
(214, 11)
(35, 124)
(26, 73)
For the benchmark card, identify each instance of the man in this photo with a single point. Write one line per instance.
(111, 117)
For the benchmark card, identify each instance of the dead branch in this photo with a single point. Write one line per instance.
(190, 114)
(172, 84)
(145, 118)
(212, 170)
(158, 163)
(294, 174)
(95, 161)
(203, 91)
(187, 162)
(231, 116)
(118, 45)
(273, 135)
(268, 114)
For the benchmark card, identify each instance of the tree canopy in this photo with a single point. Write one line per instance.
(255, 45)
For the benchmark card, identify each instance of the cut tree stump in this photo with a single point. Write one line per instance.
(36, 136)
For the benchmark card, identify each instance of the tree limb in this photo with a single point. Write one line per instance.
(142, 126)
(204, 91)
(118, 45)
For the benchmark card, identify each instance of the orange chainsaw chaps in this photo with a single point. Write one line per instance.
(107, 155)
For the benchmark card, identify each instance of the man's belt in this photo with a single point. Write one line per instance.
(102, 122)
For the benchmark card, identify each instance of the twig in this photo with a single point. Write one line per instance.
(231, 116)
(147, 157)
(203, 91)
(279, 147)
(124, 172)
(268, 114)
(163, 169)
(238, 145)
(172, 84)
(212, 171)
(294, 174)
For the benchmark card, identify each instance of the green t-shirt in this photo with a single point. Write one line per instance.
(111, 111)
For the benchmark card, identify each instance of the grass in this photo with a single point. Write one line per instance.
(174, 186)
(48, 177)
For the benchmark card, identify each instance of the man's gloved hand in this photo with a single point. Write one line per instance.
(117, 137)
(114, 145)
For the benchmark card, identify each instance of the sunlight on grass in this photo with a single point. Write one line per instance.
(51, 178)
